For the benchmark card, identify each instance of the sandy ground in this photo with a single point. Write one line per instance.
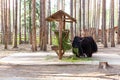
(57, 72)
(72, 72)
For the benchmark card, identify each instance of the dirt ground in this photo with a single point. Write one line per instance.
(56, 72)
(77, 71)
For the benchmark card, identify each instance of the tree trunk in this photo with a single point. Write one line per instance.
(34, 44)
(40, 29)
(104, 65)
(47, 23)
(25, 40)
(84, 19)
(6, 27)
(112, 24)
(98, 19)
(20, 22)
(8, 22)
(30, 25)
(15, 25)
(88, 27)
(91, 18)
(50, 29)
(58, 4)
(13, 20)
(63, 5)
(75, 16)
(94, 21)
(2, 21)
(71, 13)
(104, 22)
(43, 26)
(80, 18)
(118, 32)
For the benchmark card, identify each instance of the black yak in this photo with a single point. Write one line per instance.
(86, 46)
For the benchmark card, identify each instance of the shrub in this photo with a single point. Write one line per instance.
(65, 39)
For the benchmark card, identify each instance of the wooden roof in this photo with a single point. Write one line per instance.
(57, 16)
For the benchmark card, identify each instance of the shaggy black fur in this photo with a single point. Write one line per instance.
(86, 46)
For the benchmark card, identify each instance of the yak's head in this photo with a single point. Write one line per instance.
(76, 42)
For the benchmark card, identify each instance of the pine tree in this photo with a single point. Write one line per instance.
(34, 44)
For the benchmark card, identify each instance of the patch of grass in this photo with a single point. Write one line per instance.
(75, 59)
(69, 59)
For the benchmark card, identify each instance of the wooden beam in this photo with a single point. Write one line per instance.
(60, 38)
(63, 22)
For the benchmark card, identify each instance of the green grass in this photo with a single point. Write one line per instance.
(69, 59)
(75, 59)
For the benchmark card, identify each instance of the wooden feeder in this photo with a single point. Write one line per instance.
(61, 17)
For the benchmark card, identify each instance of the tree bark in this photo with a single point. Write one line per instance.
(58, 4)
(98, 19)
(75, 16)
(104, 65)
(8, 22)
(30, 25)
(63, 5)
(118, 32)
(88, 21)
(50, 29)
(20, 22)
(71, 13)
(104, 22)
(94, 21)
(25, 40)
(83, 6)
(80, 18)
(112, 24)
(2, 21)
(34, 44)
(15, 26)
(6, 27)
(43, 37)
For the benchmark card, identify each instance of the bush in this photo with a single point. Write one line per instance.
(65, 40)
(75, 51)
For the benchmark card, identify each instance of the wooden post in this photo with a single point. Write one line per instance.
(60, 38)
(63, 22)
